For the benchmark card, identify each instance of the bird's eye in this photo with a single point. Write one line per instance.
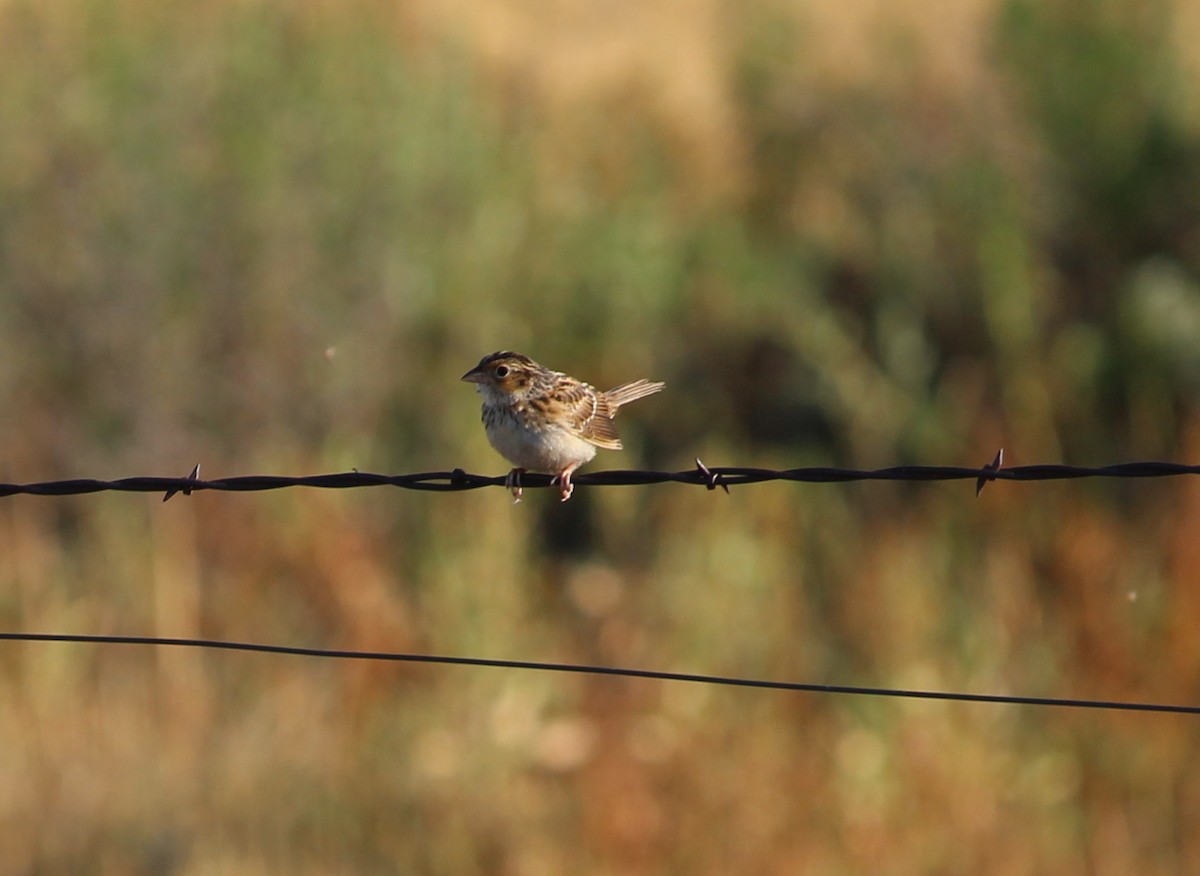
(501, 372)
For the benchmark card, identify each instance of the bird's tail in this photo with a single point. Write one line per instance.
(628, 392)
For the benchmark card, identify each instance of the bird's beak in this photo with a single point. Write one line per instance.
(474, 376)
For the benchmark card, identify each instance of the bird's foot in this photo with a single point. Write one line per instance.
(563, 481)
(513, 482)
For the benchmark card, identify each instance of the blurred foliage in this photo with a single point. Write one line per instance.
(270, 236)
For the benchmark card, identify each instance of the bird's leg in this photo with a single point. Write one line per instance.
(563, 480)
(513, 482)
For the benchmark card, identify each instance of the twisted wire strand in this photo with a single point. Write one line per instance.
(725, 477)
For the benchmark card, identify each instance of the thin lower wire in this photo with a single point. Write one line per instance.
(538, 666)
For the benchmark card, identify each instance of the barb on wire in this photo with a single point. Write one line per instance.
(712, 479)
(187, 491)
(625, 672)
(993, 467)
(702, 475)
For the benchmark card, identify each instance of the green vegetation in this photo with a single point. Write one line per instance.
(270, 237)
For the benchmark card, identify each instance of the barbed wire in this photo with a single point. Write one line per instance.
(619, 671)
(702, 475)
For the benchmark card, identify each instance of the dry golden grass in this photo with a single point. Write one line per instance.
(270, 237)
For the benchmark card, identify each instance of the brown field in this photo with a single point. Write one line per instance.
(270, 236)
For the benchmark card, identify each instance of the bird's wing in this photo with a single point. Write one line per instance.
(583, 410)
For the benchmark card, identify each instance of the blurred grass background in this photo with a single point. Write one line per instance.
(270, 237)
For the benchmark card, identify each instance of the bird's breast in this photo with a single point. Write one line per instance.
(527, 440)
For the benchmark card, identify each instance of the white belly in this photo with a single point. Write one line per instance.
(549, 450)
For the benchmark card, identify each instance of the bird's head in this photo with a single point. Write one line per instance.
(504, 376)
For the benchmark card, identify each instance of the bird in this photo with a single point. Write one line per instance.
(545, 421)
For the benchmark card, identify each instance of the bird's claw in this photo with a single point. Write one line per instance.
(513, 482)
(563, 481)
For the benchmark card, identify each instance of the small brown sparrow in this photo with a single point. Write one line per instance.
(542, 420)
